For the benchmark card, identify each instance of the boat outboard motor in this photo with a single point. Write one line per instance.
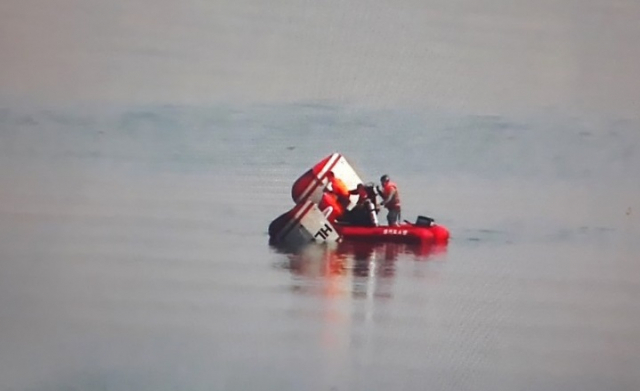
(425, 221)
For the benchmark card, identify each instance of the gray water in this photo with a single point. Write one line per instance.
(146, 146)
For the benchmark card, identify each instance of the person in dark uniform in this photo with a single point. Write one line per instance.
(364, 212)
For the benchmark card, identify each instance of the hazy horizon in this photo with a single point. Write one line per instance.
(488, 57)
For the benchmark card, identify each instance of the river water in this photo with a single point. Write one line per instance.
(146, 146)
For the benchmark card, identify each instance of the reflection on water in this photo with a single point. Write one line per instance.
(133, 253)
(358, 262)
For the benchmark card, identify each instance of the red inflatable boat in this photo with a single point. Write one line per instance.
(404, 233)
(333, 220)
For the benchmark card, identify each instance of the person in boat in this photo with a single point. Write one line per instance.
(339, 189)
(390, 200)
(364, 212)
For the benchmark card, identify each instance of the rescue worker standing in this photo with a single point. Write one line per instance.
(390, 200)
(339, 189)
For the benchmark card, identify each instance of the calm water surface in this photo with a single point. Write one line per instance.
(134, 256)
(144, 149)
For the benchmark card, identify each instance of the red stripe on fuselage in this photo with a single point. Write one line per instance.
(295, 221)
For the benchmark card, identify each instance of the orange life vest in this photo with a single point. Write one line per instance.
(339, 188)
(394, 203)
(330, 201)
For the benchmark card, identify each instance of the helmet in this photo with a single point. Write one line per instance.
(384, 178)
